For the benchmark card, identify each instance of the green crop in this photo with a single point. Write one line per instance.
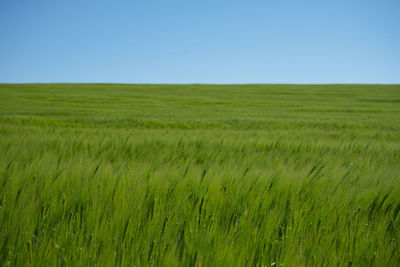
(199, 175)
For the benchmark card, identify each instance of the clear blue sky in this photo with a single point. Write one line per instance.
(207, 41)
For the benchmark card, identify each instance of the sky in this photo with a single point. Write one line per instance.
(207, 41)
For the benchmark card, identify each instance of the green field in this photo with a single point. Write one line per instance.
(199, 175)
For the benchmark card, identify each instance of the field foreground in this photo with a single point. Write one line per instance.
(199, 175)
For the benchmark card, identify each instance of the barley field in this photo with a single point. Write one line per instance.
(199, 175)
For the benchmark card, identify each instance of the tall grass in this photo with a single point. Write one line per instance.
(199, 175)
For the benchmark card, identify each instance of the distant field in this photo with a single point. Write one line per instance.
(199, 175)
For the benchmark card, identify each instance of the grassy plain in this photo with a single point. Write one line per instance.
(199, 175)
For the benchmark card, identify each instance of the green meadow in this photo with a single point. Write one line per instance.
(199, 175)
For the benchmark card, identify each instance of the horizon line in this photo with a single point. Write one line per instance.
(250, 83)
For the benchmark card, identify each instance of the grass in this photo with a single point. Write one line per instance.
(199, 175)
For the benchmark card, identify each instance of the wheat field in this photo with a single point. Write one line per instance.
(199, 175)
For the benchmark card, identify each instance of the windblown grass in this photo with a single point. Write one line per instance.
(199, 175)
